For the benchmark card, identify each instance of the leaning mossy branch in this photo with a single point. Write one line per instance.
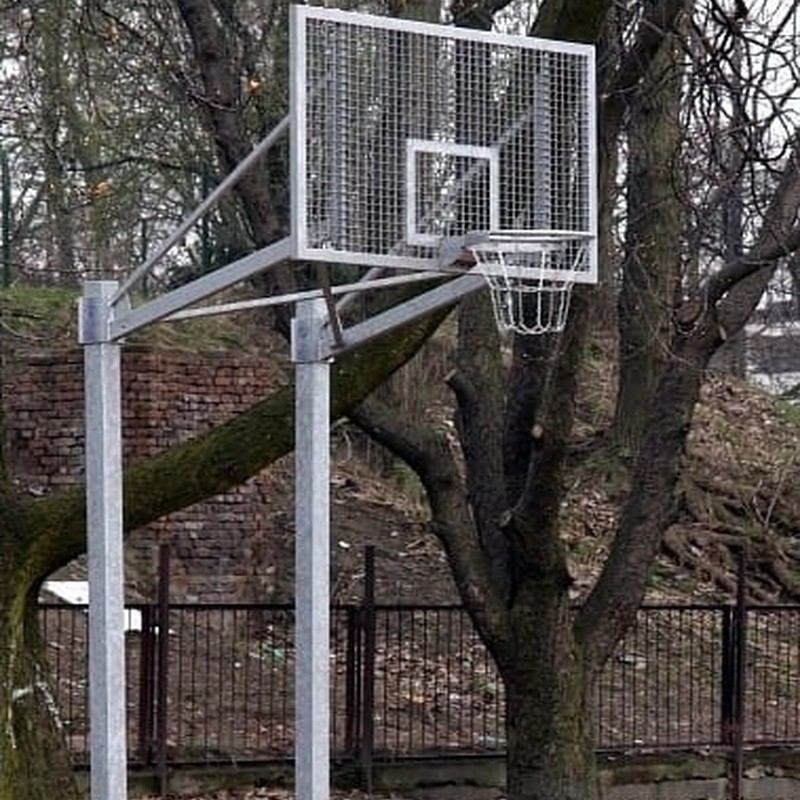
(219, 460)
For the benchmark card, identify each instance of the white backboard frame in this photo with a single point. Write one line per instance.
(415, 147)
(333, 203)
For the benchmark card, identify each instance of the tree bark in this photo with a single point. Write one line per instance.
(651, 265)
(215, 52)
(548, 703)
(477, 383)
(34, 763)
(47, 22)
(550, 741)
(572, 20)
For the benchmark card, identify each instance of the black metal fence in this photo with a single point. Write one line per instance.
(215, 683)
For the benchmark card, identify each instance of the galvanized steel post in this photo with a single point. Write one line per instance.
(312, 551)
(104, 544)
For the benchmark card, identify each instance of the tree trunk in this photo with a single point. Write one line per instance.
(34, 761)
(548, 716)
(653, 230)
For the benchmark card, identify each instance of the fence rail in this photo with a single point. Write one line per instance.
(215, 683)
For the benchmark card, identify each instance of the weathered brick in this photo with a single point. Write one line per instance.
(168, 396)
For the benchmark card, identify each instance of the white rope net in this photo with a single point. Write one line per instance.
(530, 286)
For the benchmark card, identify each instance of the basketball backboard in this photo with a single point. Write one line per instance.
(408, 136)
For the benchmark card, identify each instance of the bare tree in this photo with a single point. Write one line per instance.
(500, 523)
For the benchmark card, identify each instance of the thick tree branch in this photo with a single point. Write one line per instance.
(651, 502)
(658, 23)
(429, 453)
(779, 235)
(478, 384)
(650, 506)
(570, 20)
(221, 105)
(219, 460)
(737, 288)
(536, 548)
(655, 220)
(477, 14)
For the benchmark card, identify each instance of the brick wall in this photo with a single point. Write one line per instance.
(222, 548)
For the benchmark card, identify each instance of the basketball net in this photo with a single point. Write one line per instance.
(530, 288)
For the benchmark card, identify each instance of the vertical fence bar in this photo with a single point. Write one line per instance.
(352, 683)
(741, 645)
(146, 688)
(162, 685)
(437, 690)
(6, 218)
(368, 693)
(384, 634)
(728, 682)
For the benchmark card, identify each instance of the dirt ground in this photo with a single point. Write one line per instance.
(370, 506)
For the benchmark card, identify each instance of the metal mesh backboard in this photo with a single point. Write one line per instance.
(406, 135)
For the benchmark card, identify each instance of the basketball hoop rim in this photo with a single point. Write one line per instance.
(496, 252)
(523, 240)
(501, 257)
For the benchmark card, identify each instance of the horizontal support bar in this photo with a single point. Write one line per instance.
(128, 321)
(295, 297)
(446, 294)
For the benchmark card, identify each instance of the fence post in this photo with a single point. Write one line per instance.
(368, 668)
(146, 691)
(353, 683)
(728, 684)
(740, 665)
(162, 684)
